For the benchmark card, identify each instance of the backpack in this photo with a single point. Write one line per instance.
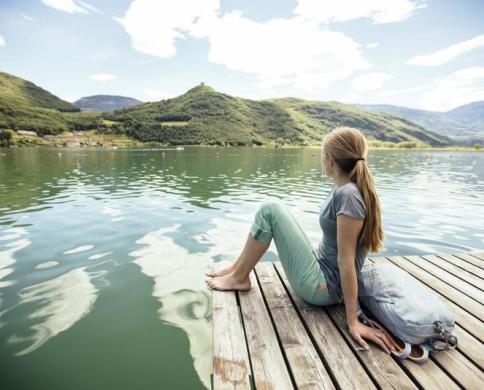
(406, 307)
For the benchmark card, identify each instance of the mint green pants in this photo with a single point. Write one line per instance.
(274, 220)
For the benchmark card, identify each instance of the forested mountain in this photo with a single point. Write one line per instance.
(205, 115)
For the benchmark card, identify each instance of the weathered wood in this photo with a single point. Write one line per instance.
(383, 368)
(231, 366)
(269, 368)
(344, 365)
(429, 375)
(470, 346)
(306, 366)
(462, 300)
(458, 272)
(477, 254)
(283, 342)
(465, 265)
(451, 280)
(460, 368)
(473, 259)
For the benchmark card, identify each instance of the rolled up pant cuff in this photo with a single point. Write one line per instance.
(260, 234)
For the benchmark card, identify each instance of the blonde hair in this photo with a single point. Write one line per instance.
(346, 145)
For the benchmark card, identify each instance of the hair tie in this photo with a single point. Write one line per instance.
(359, 158)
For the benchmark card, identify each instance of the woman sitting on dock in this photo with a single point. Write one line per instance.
(350, 219)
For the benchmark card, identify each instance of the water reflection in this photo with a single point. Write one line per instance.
(64, 216)
(57, 304)
(7, 259)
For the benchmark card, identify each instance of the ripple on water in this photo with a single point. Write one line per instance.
(78, 249)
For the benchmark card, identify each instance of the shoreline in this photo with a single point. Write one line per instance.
(93, 139)
(150, 145)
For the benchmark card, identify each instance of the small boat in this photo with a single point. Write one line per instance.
(180, 148)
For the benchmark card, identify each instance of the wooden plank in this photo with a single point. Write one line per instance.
(382, 366)
(477, 254)
(268, 365)
(462, 300)
(469, 345)
(456, 271)
(470, 268)
(429, 375)
(472, 324)
(231, 366)
(345, 367)
(451, 280)
(306, 366)
(470, 259)
(467, 374)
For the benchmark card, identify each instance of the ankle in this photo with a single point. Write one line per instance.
(239, 276)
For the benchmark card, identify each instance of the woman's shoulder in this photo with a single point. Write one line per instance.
(349, 188)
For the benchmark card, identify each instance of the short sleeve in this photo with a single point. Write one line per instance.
(349, 203)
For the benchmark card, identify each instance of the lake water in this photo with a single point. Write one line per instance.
(103, 253)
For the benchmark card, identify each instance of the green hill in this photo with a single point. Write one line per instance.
(203, 115)
(26, 106)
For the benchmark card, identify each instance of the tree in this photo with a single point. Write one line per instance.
(5, 137)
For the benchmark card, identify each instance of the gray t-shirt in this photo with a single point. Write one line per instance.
(346, 199)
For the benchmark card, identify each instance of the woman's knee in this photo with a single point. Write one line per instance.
(272, 205)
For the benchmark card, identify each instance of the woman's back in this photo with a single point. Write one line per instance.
(346, 199)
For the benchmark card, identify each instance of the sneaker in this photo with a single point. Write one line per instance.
(402, 349)
(419, 353)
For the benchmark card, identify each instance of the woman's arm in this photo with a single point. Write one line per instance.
(347, 234)
(348, 229)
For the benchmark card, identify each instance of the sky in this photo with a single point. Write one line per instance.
(426, 54)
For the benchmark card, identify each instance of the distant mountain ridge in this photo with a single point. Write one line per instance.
(105, 103)
(466, 121)
(204, 115)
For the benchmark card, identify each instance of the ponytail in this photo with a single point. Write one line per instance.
(372, 235)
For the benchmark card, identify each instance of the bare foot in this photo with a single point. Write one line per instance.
(228, 282)
(222, 272)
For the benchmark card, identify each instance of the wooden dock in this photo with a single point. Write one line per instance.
(269, 338)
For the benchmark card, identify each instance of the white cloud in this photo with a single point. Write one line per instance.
(283, 51)
(370, 81)
(2, 41)
(449, 53)
(461, 87)
(154, 94)
(71, 6)
(155, 25)
(372, 45)
(276, 52)
(103, 77)
(379, 11)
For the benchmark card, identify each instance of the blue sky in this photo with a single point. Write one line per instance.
(416, 53)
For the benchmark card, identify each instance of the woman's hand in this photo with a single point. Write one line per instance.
(360, 331)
